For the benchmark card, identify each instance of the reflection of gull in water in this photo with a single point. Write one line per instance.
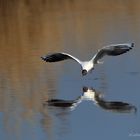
(117, 106)
(86, 66)
(91, 94)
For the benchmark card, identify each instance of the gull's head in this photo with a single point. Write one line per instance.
(85, 89)
(84, 72)
(89, 94)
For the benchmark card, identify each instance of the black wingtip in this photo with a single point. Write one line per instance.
(43, 58)
(132, 45)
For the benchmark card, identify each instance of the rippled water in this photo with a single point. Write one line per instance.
(30, 29)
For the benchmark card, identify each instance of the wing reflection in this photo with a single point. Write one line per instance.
(91, 94)
(61, 103)
(64, 104)
(116, 106)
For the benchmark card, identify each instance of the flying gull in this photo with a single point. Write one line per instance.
(87, 66)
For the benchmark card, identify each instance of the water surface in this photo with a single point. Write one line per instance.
(30, 29)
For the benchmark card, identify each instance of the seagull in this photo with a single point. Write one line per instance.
(88, 66)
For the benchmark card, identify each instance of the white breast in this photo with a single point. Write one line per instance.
(87, 65)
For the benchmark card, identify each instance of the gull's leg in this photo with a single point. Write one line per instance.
(100, 62)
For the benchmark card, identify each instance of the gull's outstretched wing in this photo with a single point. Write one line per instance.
(55, 57)
(117, 106)
(112, 50)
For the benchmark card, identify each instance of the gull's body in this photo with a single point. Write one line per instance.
(87, 66)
